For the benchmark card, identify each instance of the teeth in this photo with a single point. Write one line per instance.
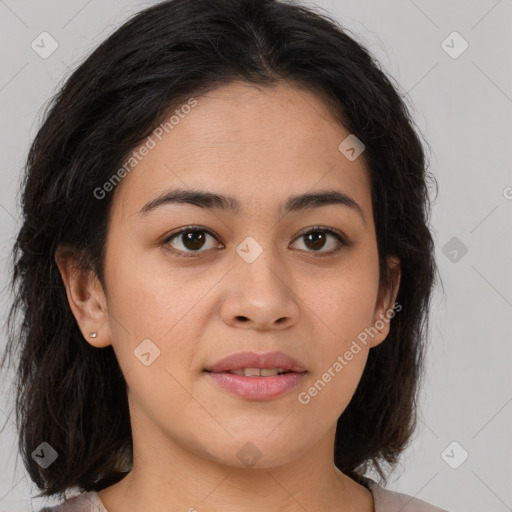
(237, 372)
(258, 372)
(269, 372)
(252, 372)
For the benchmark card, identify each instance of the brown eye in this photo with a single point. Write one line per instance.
(317, 239)
(190, 240)
(193, 239)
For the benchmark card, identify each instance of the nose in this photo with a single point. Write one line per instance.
(259, 296)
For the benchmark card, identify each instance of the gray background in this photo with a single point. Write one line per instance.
(463, 106)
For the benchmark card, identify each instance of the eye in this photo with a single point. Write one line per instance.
(190, 239)
(315, 238)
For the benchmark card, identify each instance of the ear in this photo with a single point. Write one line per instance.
(384, 307)
(86, 297)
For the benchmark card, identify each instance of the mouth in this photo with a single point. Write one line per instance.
(257, 387)
(266, 364)
(256, 376)
(257, 372)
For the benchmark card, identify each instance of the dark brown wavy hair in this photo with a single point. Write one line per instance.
(72, 395)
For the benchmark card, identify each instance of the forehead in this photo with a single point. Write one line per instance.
(259, 144)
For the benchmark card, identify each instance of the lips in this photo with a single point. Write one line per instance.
(254, 376)
(252, 360)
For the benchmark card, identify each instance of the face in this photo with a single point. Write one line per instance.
(300, 278)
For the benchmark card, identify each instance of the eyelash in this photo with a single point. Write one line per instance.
(314, 229)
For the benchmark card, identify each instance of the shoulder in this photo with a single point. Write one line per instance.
(84, 502)
(390, 501)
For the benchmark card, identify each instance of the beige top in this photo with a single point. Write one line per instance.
(384, 500)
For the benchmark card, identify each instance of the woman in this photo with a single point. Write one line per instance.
(224, 269)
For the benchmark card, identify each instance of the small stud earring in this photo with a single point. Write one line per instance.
(92, 335)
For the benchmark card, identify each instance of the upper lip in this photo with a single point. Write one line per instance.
(256, 360)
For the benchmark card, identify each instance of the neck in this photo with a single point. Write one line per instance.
(167, 476)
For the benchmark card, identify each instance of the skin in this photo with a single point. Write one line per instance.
(259, 145)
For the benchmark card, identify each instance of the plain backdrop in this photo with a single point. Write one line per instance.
(461, 99)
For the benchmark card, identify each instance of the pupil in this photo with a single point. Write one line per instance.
(193, 239)
(315, 238)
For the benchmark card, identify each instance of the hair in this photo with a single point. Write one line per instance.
(72, 395)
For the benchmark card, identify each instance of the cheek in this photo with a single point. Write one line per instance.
(343, 310)
(147, 296)
(162, 312)
(344, 305)
(341, 360)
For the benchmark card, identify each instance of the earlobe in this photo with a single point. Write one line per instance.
(85, 297)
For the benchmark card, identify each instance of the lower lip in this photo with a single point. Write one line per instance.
(257, 388)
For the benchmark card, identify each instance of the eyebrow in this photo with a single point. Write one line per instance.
(211, 200)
